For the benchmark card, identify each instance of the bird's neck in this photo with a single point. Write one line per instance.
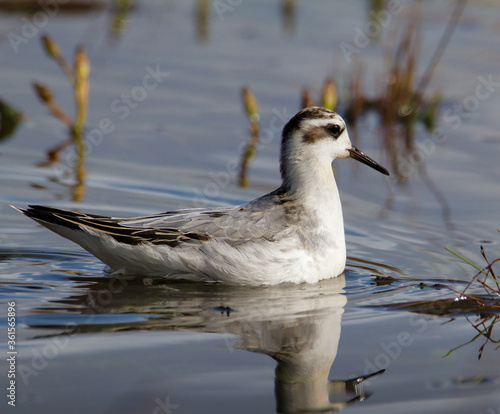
(311, 183)
(310, 180)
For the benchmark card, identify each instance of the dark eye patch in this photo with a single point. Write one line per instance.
(322, 132)
(335, 130)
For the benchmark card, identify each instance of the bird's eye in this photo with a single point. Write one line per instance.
(335, 130)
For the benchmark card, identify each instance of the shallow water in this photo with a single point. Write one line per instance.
(88, 342)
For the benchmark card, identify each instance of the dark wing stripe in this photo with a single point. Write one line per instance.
(197, 236)
(128, 235)
(215, 214)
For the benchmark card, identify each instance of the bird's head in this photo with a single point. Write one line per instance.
(317, 135)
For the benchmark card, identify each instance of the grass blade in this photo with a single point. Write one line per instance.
(467, 261)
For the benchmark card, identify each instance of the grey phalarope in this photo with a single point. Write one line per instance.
(293, 234)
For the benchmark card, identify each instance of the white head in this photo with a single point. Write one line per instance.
(312, 139)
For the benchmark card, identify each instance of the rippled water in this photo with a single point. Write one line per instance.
(88, 342)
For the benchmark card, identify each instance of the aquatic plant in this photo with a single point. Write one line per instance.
(10, 118)
(488, 305)
(78, 76)
(479, 301)
(328, 98)
(121, 18)
(401, 100)
(490, 281)
(251, 107)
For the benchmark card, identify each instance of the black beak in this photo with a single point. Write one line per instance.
(365, 159)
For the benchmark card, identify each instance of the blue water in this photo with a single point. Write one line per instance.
(88, 342)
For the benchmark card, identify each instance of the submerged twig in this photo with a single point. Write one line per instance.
(485, 331)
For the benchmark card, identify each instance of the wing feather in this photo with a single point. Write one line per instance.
(260, 219)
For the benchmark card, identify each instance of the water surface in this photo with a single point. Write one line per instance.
(88, 342)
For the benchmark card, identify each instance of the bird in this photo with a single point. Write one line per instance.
(292, 234)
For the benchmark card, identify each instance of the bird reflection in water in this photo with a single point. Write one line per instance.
(297, 325)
